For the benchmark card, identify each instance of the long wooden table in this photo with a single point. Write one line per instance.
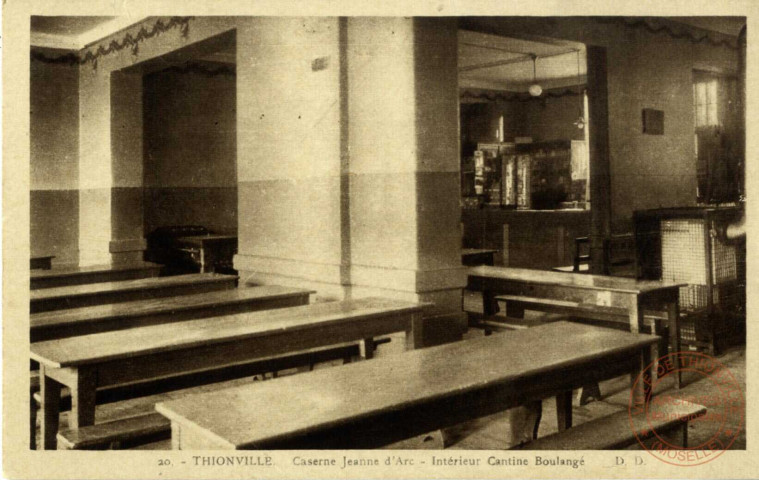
(76, 296)
(64, 276)
(372, 404)
(87, 362)
(615, 299)
(41, 262)
(102, 318)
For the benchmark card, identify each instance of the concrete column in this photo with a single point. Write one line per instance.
(54, 161)
(404, 166)
(348, 163)
(288, 153)
(110, 166)
(127, 240)
(95, 173)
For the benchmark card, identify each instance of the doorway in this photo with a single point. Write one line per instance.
(525, 147)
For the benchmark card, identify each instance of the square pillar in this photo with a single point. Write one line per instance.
(127, 239)
(289, 153)
(404, 166)
(95, 173)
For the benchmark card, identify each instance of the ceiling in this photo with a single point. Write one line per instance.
(485, 61)
(72, 26)
(726, 25)
(78, 32)
(505, 63)
(75, 33)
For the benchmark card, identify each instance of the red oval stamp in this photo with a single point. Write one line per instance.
(660, 417)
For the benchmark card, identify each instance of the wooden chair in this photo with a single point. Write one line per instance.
(619, 250)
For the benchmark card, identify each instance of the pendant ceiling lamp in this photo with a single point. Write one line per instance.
(535, 89)
(580, 122)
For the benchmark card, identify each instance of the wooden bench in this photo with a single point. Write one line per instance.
(618, 430)
(102, 318)
(115, 434)
(65, 276)
(471, 257)
(372, 404)
(584, 268)
(76, 296)
(88, 363)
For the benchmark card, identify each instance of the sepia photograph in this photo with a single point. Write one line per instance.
(422, 242)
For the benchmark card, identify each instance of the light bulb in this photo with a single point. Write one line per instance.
(535, 90)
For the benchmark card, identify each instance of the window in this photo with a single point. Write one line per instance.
(705, 102)
(717, 131)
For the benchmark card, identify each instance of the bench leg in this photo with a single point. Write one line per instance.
(524, 422)
(590, 391)
(673, 314)
(489, 304)
(514, 311)
(677, 435)
(366, 349)
(564, 410)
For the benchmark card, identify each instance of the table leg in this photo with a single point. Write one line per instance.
(641, 387)
(673, 316)
(524, 422)
(50, 391)
(83, 391)
(637, 324)
(415, 332)
(32, 423)
(564, 410)
(635, 312)
(589, 391)
(203, 261)
(176, 436)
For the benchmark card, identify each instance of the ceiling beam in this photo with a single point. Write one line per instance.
(509, 61)
(501, 49)
(498, 63)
